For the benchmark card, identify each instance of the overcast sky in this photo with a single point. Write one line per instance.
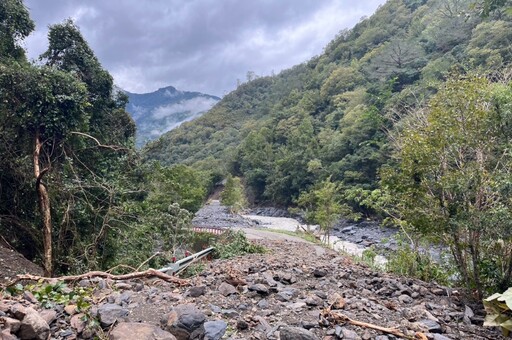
(198, 45)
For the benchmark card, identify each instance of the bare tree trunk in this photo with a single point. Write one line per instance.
(44, 206)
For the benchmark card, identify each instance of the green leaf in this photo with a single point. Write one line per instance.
(48, 289)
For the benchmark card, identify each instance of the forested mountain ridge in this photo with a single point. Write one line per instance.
(160, 111)
(327, 117)
(407, 116)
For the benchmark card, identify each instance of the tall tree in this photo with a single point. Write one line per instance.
(44, 105)
(453, 177)
(15, 25)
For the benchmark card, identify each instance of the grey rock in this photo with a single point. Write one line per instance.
(283, 296)
(468, 314)
(13, 325)
(230, 313)
(110, 313)
(215, 309)
(184, 320)
(125, 297)
(6, 335)
(19, 311)
(139, 331)
(263, 304)
(296, 333)
(242, 325)
(65, 333)
(318, 272)
(77, 322)
(85, 283)
(440, 337)
(381, 337)
(286, 278)
(33, 326)
(49, 315)
(226, 289)
(439, 291)
(314, 300)
(29, 297)
(269, 279)
(309, 324)
(338, 331)
(348, 334)
(259, 288)
(214, 330)
(297, 305)
(123, 285)
(431, 325)
(197, 291)
(406, 299)
(321, 294)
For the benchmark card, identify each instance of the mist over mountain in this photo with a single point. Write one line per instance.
(165, 109)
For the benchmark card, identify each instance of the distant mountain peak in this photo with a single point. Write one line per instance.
(165, 109)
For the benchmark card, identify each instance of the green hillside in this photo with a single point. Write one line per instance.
(328, 116)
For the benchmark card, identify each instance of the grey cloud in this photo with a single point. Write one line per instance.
(199, 45)
(192, 106)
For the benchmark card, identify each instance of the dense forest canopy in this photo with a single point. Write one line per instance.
(327, 117)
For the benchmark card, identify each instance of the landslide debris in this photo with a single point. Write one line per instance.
(276, 295)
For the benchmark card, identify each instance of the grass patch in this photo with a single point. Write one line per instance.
(310, 237)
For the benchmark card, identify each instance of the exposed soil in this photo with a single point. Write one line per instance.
(13, 263)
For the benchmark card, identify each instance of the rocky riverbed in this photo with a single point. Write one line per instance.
(277, 295)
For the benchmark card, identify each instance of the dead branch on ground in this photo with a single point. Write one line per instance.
(340, 318)
(105, 275)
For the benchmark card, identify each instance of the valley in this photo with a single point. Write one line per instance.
(391, 144)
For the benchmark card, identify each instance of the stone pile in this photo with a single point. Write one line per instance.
(277, 295)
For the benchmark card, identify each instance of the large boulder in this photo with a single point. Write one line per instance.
(33, 326)
(110, 313)
(185, 322)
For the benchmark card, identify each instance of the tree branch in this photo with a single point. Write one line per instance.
(112, 147)
(146, 273)
(341, 318)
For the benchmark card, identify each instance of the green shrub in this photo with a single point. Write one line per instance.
(406, 261)
(59, 293)
(235, 243)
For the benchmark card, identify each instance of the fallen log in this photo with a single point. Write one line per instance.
(340, 318)
(105, 275)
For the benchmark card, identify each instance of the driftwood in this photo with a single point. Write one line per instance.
(71, 278)
(341, 318)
